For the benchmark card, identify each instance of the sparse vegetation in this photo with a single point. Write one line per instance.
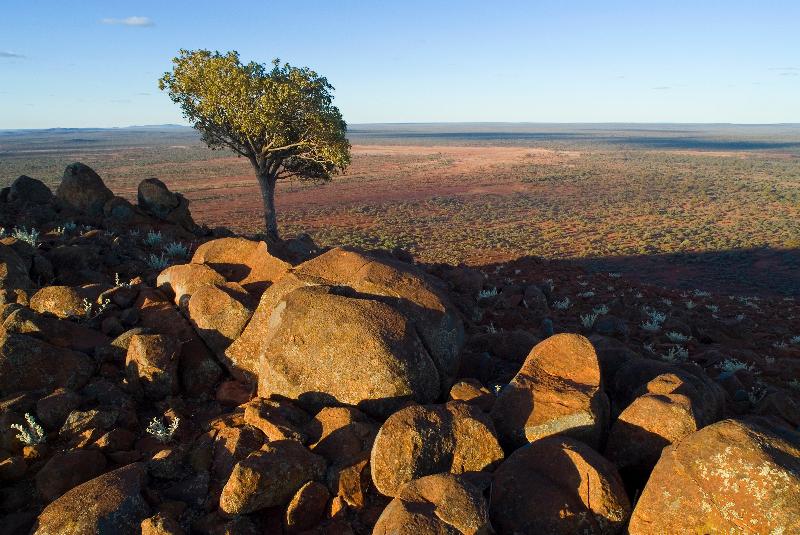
(31, 435)
(163, 433)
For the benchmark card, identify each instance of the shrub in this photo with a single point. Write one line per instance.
(31, 237)
(31, 436)
(176, 250)
(162, 433)
(153, 238)
(563, 304)
(677, 337)
(157, 262)
(587, 320)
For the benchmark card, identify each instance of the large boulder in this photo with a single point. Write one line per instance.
(155, 198)
(733, 476)
(82, 190)
(247, 262)
(558, 390)
(397, 285)
(269, 477)
(325, 349)
(435, 505)
(27, 190)
(421, 440)
(408, 290)
(27, 363)
(111, 504)
(558, 485)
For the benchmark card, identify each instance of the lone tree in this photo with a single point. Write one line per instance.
(281, 118)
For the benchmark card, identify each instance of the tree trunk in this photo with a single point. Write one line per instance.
(267, 185)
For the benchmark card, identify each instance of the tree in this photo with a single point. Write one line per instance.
(282, 119)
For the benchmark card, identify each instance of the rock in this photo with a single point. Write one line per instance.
(233, 444)
(434, 505)
(30, 364)
(110, 504)
(53, 409)
(473, 392)
(198, 369)
(66, 470)
(27, 190)
(233, 392)
(734, 476)
(277, 418)
(558, 485)
(307, 507)
(370, 357)
(152, 365)
(421, 440)
(653, 421)
(246, 262)
(13, 271)
(120, 210)
(269, 477)
(58, 332)
(161, 524)
(408, 290)
(12, 468)
(707, 395)
(156, 199)
(91, 420)
(63, 301)
(557, 391)
(182, 280)
(83, 190)
(341, 434)
(218, 315)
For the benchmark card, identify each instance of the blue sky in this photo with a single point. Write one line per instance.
(95, 63)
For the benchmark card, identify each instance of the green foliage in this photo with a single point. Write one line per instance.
(281, 118)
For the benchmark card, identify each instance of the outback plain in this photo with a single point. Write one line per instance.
(686, 206)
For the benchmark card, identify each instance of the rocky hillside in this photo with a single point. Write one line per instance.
(159, 377)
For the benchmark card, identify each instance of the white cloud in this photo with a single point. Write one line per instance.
(11, 55)
(131, 21)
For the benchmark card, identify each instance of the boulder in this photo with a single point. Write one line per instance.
(182, 280)
(13, 271)
(341, 435)
(218, 314)
(408, 290)
(247, 262)
(66, 470)
(421, 440)
(198, 369)
(473, 392)
(307, 506)
(154, 198)
(434, 505)
(734, 476)
(277, 418)
(53, 409)
(233, 444)
(558, 390)
(111, 504)
(82, 190)
(369, 357)
(269, 477)
(151, 365)
(27, 190)
(62, 301)
(58, 332)
(662, 416)
(30, 364)
(558, 485)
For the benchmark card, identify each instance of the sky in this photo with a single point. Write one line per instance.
(95, 63)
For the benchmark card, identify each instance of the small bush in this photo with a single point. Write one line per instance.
(162, 433)
(31, 436)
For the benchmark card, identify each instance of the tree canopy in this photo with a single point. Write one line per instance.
(281, 118)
